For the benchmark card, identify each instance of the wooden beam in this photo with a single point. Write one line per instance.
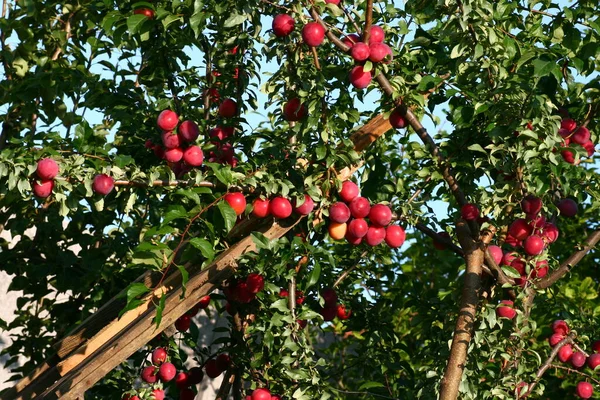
(139, 332)
(370, 132)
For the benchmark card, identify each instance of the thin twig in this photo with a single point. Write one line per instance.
(435, 236)
(414, 122)
(347, 272)
(292, 297)
(418, 191)
(366, 393)
(279, 6)
(316, 57)
(576, 372)
(547, 14)
(591, 114)
(349, 16)
(209, 80)
(59, 50)
(173, 89)
(579, 349)
(182, 239)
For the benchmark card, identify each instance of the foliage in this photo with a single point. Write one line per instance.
(84, 83)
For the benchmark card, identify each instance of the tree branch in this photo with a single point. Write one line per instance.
(435, 236)
(368, 22)
(548, 362)
(163, 183)
(59, 50)
(349, 16)
(7, 72)
(570, 262)
(466, 317)
(334, 39)
(497, 272)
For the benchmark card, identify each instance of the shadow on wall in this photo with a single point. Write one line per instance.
(9, 305)
(208, 388)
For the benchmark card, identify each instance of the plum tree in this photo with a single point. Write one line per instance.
(134, 135)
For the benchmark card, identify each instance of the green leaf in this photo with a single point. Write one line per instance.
(159, 310)
(234, 20)
(543, 67)
(524, 58)
(261, 241)
(456, 51)
(205, 248)
(130, 203)
(315, 274)
(477, 147)
(321, 152)
(370, 385)
(184, 278)
(134, 22)
(122, 161)
(169, 20)
(197, 22)
(228, 215)
(132, 293)
(510, 271)
(174, 212)
(224, 175)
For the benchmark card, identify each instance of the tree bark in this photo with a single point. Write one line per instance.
(463, 331)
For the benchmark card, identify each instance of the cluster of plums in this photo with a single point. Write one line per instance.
(375, 51)
(348, 219)
(244, 291)
(47, 169)
(332, 308)
(313, 34)
(163, 371)
(177, 145)
(532, 234)
(577, 359)
(573, 136)
(565, 354)
(279, 207)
